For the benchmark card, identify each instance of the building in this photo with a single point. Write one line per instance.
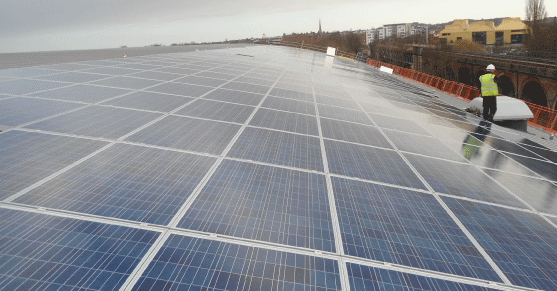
(511, 31)
(370, 35)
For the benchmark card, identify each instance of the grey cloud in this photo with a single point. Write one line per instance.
(19, 17)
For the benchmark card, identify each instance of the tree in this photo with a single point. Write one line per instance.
(535, 12)
(354, 43)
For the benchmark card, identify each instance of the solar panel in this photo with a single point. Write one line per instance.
(97, 121)
(26, 158)
(22, 86)
(186, 133)
(127, 182)
(259, 168)
(287, 121)
(405, 227)
(264, 203)
(82, 93)
(20, 110)
(217, 111)
(186, 263)
(42, 252)
(280, 148)
(149, 101)
(522, 244)
(370, 163)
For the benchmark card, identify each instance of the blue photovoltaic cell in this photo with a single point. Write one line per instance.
(216, 75)
(287, 121)
(429, 146)
(97, 121)
(522, 244)
(289, 105)
(126, 82)
(20, 110)
(26, 158)
(264, 203)
(82, 93)
(244, 98)
(186, 263)
(127, 182)
(41, 252)
(365, 278)
(188, 134)
(404, 227)
(370, 163)
(217, 111)
(149, 101)
(343, 114)
(256, 81)
(279, 148)
(352, 132)
(461, 180)
(181, 89)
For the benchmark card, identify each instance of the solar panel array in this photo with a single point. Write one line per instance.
(262, 168)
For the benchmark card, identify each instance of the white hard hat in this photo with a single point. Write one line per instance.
(491, 67)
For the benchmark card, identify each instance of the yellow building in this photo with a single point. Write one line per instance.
(510, 31)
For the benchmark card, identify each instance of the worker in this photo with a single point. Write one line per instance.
(490, 91)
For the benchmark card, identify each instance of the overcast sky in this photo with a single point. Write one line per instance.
(43, 25)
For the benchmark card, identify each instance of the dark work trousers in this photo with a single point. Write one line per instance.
(490, 107)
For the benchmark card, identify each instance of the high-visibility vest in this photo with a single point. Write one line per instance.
(489, 87)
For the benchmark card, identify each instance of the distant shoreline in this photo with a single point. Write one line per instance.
(30, 59)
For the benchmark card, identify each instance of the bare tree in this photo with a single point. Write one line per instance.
(535, 12)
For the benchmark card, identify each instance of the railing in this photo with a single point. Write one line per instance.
(544, 117)
(314, 48)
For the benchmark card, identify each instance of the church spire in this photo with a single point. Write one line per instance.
(320, 26)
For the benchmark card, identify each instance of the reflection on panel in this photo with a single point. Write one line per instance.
(424, 145)
(41, 252)
(461, 180)
(185, 263)
(523, 245)
(540, 194)
(370, 163)
(127, 182)
(352, 132)
(264, 203)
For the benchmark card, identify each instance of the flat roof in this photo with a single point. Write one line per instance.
(262, 168)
